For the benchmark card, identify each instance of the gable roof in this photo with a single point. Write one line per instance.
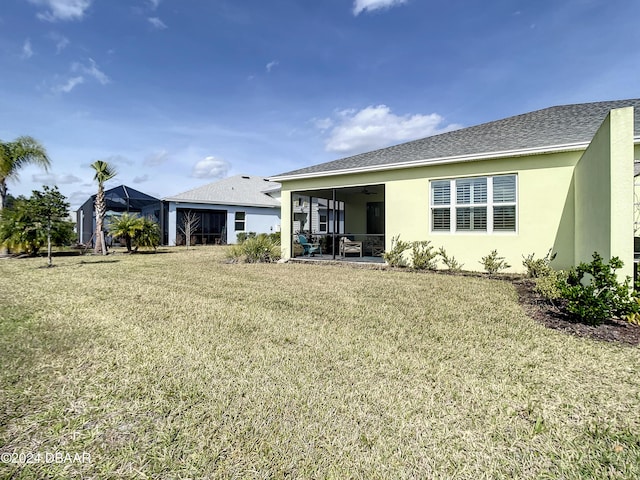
(565, 127)
(243, 190)
(123, 197)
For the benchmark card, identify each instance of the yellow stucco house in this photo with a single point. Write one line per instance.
(560, 178)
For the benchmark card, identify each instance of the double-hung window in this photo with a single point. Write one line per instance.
(239, 221)
(476, 204)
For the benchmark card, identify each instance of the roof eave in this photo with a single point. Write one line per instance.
(441, 161)
(217, 202)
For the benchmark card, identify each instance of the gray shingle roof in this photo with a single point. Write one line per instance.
(244, 190)
(550, 127)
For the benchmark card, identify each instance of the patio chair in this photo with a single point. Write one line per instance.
(348, 246)
(309, 248)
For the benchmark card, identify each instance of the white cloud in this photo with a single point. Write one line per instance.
(91, 70)
(271, 65)
(157, 23)
(360, 6)
(69, 85)
(27, 51)
(154, 4)
(118, 160)
(54, 179)
(62, 9)
(210, 167)
(157, 158)
(61, 42)
(377, 127)
(323, 123)
(140, 179)
(77, 198)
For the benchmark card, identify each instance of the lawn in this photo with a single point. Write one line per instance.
(179, 365)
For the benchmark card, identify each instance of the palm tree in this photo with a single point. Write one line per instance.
(126, 226)
(104, 172)
(15, 155)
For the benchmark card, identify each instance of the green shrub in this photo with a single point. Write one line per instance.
(275, 237)
(634, 316)
(549, 284)
(538, 267)
(594, 294)
(148, 236)
(450, 262)
(242, 236)
(259, 249)
(395, 256)
(423, 257)
(493, 263)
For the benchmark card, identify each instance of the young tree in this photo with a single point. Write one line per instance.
(15, 155)
(190, 223)
(104, 172)
(51, 209)
(30, 223)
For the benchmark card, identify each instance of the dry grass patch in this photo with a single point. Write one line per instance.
(180, 365)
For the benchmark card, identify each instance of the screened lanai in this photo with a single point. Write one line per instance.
(339, 223)
(119, 200)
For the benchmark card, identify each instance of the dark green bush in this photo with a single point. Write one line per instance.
(594, 294)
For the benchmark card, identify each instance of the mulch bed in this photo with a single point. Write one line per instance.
(613, 330)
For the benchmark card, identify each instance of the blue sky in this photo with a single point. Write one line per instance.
(179, 93)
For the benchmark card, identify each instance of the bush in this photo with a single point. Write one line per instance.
(450, 262)
(275, 237)
(395, 256)
(493, 263)
(138, 232)
(549, 284)
(594, 294)
(242, 236)
(148, 236)
(538, 267)
(634, 316)
(422, 256)
(24, 226)
(259, 249)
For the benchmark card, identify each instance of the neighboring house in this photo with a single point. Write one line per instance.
(560, 178)
(243, 203)
(118, 200)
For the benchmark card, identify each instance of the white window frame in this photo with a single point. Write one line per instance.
(453, 205)
(243, 221)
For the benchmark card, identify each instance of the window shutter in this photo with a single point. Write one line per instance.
(504, 189)
(441, 191)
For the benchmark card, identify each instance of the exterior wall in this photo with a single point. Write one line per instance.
(636, 198)
(545, 207)
(604, 193)
(257, 219)
(85, 221)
